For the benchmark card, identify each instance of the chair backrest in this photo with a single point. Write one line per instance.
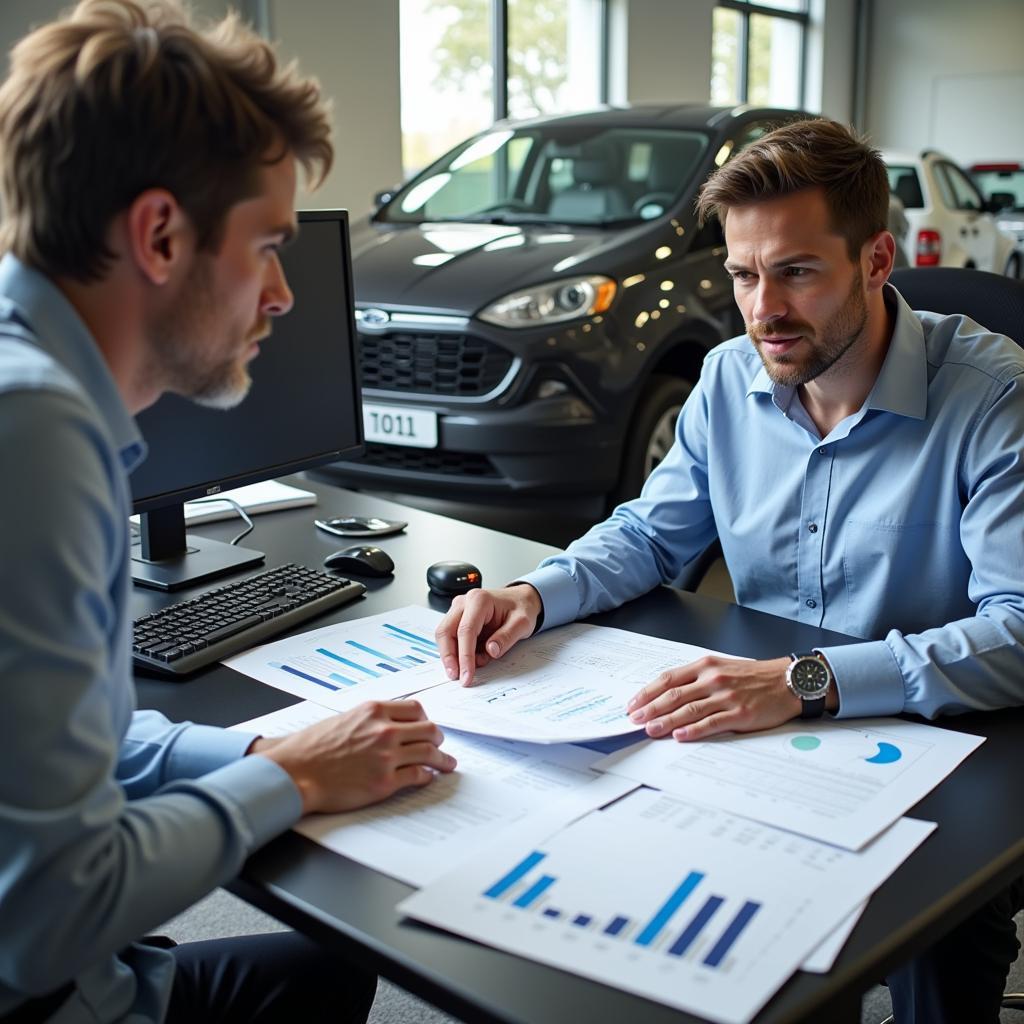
(595, 192)
(995, 302)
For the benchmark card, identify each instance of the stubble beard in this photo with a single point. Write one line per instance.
(833, 340)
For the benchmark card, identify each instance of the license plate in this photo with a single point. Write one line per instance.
(393, 424)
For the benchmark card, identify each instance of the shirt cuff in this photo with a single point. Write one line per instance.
(199, 749)
(868, 679)
(558, 594)
(264, 794)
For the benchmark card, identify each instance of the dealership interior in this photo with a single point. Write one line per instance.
(531, 291)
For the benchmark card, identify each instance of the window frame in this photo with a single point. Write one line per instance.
(745, 9)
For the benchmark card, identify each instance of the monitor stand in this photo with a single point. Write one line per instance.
(166, 558)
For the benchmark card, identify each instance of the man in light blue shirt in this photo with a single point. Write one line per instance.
(862, 466)
(148, 178)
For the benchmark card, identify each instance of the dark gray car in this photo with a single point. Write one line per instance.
(534, 307)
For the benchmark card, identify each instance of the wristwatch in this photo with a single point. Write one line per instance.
(809, 677)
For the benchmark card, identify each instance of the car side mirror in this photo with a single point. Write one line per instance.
(383, 197)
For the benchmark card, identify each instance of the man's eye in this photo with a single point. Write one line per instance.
(797, 271)
(741, 275)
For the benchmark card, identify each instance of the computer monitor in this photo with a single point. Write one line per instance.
(302, 410)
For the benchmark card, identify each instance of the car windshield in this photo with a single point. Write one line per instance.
(553, 174)
(1008, 181)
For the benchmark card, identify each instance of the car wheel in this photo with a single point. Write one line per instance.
(1014, 265)
(651, 434)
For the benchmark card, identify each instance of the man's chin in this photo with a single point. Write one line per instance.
(225, 395)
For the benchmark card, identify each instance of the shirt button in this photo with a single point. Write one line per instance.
(821, 451)
(813, 527)
(811, 603)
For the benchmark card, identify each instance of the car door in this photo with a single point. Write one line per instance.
(976, 228)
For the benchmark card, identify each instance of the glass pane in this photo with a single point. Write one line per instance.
(555, 174)
(1008, 180)
(446, 76)
(785, 5)
(966, 195)
(554, 49)
(775, 61)
(726, 32)
(905, 186)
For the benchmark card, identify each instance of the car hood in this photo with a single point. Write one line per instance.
(460, 268)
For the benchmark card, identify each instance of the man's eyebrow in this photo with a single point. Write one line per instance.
(786, 261)
(288, 233)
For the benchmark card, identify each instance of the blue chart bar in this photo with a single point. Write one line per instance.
(732, 933)
(410, 636)
(502, 885)
(582, 920)
(423, 650)
(693, 929)
(534, 892)
(668, 908)
(551, 912)
(616, 925)
(344, 679)
(369, 650)
(345, 661)
(387, 668)
(307, 676)
(408, 660)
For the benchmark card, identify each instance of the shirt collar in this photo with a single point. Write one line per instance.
(59, 331)
(902, 384)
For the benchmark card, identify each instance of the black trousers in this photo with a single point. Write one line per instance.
(960, 979)
(265, 979)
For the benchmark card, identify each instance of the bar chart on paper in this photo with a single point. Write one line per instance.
(686, 905)
(376, 658)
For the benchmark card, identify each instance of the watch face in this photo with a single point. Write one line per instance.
(809, 677)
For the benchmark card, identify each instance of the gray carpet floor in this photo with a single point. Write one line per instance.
(221, 914)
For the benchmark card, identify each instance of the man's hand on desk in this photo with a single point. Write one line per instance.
(360, 757)
(714, 695)
(484, 624)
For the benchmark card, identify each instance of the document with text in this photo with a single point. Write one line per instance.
(687, 905)
(839, 781)
(568, 685)
(420, 834)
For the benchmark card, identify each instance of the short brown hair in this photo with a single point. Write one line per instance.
(120, 96)
(815, 153)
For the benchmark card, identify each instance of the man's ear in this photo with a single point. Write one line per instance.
(160, 236)
(879, 254)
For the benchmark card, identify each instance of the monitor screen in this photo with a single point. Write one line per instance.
(302, 410)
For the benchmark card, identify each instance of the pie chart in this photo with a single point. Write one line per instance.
(887, 753)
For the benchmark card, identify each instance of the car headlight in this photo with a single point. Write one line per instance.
(553, 302)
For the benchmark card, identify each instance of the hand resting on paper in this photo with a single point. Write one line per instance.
(360, 757)
(483, 625)
(714, 695)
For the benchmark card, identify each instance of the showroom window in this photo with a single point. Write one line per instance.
(467, 63)
(757, 52)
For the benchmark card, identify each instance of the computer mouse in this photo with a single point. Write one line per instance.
(361, 560)
(447, 579)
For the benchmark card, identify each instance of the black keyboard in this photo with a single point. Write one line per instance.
(187, 636)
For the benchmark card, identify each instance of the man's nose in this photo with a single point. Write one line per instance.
(769, 302)
(277, 298)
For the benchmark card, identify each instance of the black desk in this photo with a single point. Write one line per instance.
(978, 848)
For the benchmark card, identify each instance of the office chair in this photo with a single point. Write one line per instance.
(994, 301)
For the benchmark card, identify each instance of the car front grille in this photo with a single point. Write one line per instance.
(427, 460)
(432, 364)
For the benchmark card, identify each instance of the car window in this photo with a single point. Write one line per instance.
(905, 185)
(1008, 180)
(556, 173)
(947, 197)
(965, 195)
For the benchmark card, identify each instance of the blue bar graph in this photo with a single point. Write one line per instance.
(387, 668)
(551, 912)
(694, 928)
(582, 920)
(345, 661)
(307, 676)
(502, 885)
(732, 933)
(616, 925)
(668, 908)
(410, 636)
(408, 660)
(344, 679)
(534, 892)
(423, 650)
(377, 654)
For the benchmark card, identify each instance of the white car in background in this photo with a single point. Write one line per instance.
(950, 221)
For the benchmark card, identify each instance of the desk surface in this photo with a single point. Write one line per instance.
(978, 847)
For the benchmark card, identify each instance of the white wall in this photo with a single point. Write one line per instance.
(948, 74)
